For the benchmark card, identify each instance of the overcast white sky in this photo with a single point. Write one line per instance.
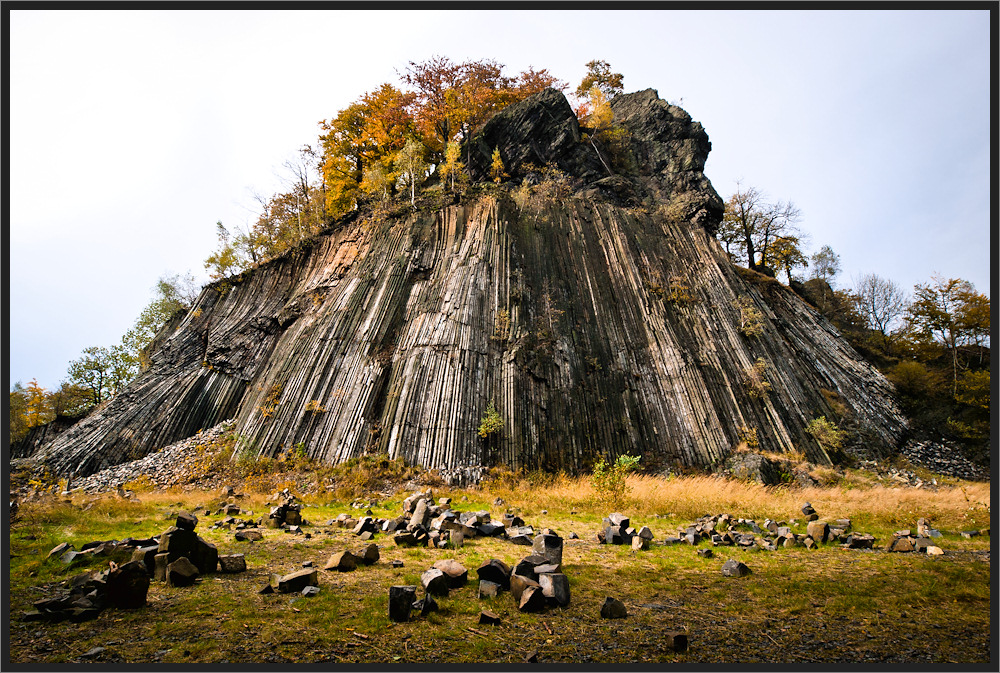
(133, 132)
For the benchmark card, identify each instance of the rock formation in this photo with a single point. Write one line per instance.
(594, 311)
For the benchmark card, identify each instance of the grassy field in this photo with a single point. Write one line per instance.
(828, 605)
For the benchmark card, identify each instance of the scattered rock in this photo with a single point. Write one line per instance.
(818, 531)
(60, 549)
(734, 568)
(401, 600)
(488, 589)
(532, 599)
(518, 583)
(426, 605)
(549, 546)
(455, 572)
(489, 618)
(495, 571)
(555, 588)
(232, 563)
(297, 581)
(676, 640)
(901, 544)
(613, 609)
(127, 585)
(343, 561)
(434, 582)
(182, 573)
(186, 521)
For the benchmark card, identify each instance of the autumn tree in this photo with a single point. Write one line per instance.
(38, 407)
(377, 181)
(452, 167)
(951, 312)
(785, 253)
(431, 82)
(599, 75)
(881, 302)
(369, 130)
(18, 425)
(69, 400)
(452, 100)
(532, 81)
(412, 166)
(497, 172)
(825, 264)
(231, 255)
(757, 223)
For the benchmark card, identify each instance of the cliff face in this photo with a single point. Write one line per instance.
(595, 311)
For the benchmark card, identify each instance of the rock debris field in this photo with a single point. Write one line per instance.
(179, 556)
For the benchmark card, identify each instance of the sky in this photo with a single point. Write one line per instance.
(133, 132)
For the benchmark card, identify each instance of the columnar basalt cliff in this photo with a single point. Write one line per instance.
(594, 310)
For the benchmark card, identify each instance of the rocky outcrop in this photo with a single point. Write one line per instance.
(593, 325)
(40, 435)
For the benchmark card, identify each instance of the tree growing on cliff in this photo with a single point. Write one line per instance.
(881, 302)
(825, 264)
(786, 254)
(452, 167)
(497, 172)
(599, 75)
(411, 164)
(102, 372)
(170, 295)
(757, 224)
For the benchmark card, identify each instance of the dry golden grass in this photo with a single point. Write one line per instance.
(953, 506)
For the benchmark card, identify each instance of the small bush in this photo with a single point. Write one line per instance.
(491, 422)
(913, 379)
(679, 291)
(753, 378)
(608, 480)
(271, 401)
(748, 436)
(751, 320)
(501, 326)
(826, 433)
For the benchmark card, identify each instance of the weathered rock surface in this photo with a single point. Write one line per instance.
(618, 320)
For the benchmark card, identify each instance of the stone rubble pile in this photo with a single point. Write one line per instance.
(170, 466)
(178, 556)
(85, 596)
(426, 523)
(943, 459)
(536, 582)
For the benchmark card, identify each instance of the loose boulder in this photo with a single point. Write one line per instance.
(613, 609)
(232, 563)
(455, 572)
(435, 582)
(401, 600)
(181, 573)
(127, 585)
(299, 580)
(734, 568)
